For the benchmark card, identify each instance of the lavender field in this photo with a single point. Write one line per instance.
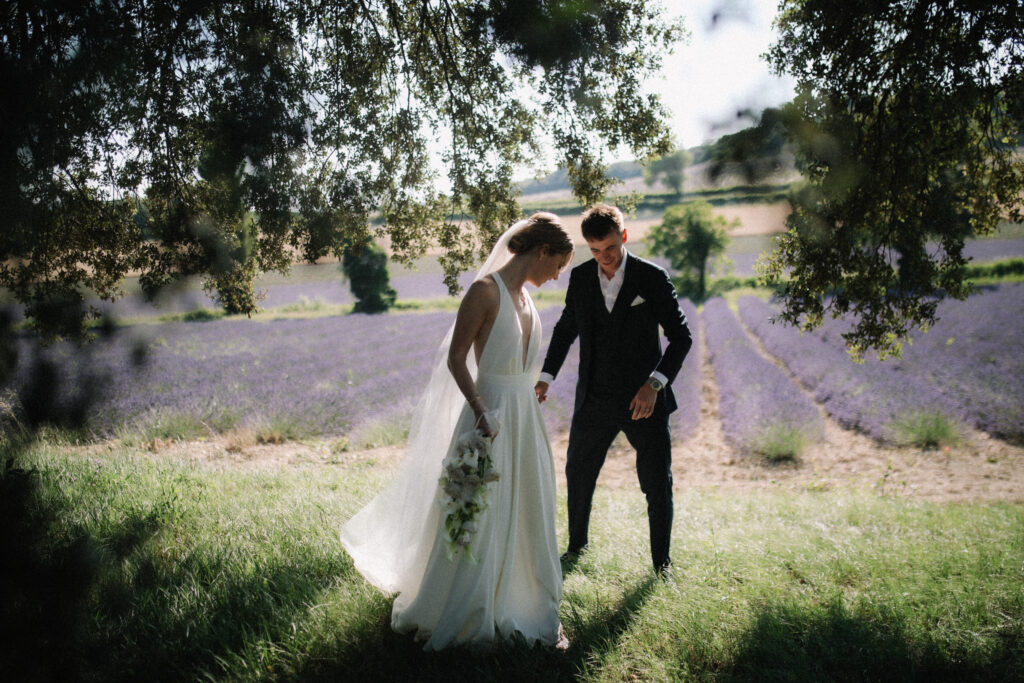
(324, 284)
(762, 411)
(354, 376)
(359, 376)
(307, 285)
(966, 370)
(341, 375)
(687, 384)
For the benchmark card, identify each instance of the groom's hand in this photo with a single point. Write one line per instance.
(642, 404)
(541, 389)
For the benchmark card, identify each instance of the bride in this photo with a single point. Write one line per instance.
(497, 576)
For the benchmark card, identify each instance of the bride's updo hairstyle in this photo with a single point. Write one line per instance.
(542, 228)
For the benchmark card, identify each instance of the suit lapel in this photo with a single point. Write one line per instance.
(596, 295)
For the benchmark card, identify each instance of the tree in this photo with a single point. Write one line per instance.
(755, 150)
(670, 168)
(310, 116)
(366, 268)
(689, 235)
(906, 126)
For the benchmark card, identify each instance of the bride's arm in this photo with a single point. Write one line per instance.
(477, 310)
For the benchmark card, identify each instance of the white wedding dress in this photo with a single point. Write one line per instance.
(515, 588)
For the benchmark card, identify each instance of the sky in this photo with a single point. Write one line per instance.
(720, 71)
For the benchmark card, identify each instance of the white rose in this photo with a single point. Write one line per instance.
(465, 539)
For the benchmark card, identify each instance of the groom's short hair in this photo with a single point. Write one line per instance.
(601, 220)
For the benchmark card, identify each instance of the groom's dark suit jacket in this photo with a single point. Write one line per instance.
(646, 302)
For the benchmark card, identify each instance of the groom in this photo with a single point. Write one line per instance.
(615, 304)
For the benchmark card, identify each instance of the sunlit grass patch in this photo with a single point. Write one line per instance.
(240, 438)
(198, 315)
(780, 442)
(166, 425)
(389, 430)
(304, 305)
(925, 430)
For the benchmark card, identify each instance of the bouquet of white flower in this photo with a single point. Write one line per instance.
(467, 470)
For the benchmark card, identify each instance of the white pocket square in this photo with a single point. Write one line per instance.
(637, 301)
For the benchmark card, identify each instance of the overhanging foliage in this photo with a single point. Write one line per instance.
(306, 119)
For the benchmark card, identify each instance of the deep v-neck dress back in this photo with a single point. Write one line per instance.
(516, 585)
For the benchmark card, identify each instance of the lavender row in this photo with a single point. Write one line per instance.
(877, 399)
(760, 407)
(687, 385)
(984, 250)
(973, 355)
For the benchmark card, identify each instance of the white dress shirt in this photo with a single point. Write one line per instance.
(610, 286)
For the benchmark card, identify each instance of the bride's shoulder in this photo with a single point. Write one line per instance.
(486, 283)
(483, 291)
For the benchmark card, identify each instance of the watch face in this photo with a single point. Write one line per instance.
(655, 384)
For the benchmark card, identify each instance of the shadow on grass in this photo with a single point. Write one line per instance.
(599, 636)
(827, 642)
(375, 652)
(110, 604)
(197, 616)
(130, 600)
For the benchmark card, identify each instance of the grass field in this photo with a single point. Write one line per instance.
(163, 570)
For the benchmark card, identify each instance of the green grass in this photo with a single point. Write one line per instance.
(382, 432)
(779, 443)
(1006, 270)
(211, 573)
(925, 430)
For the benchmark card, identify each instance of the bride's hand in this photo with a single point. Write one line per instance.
(485, 428)
(487, 424)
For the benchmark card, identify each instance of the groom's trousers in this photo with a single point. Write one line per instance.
(594, 427)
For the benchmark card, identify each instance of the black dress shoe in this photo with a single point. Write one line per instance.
(571, 556)
(664, 570)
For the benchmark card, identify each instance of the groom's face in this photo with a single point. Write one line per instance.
(608, 251)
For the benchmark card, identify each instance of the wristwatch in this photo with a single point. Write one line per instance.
(655, 384)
